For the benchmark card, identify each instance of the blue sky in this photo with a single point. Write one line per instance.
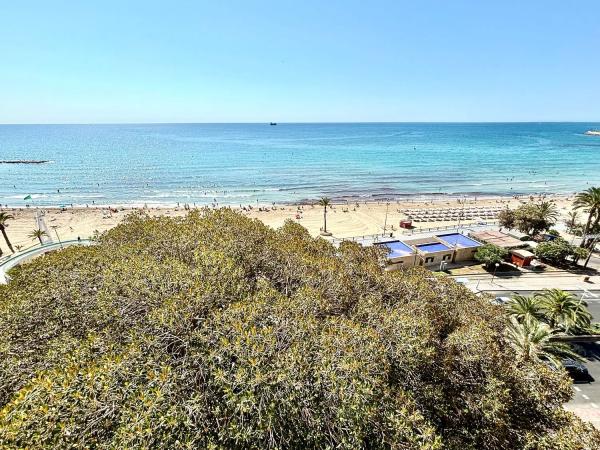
(307, 61)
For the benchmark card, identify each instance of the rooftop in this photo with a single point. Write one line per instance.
(397, 249)
(458, 240)
(432, 247)
(522, 253)
(497, 238)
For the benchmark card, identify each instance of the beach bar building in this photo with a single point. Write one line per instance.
(463, 246)
(400, 255)
(430, 251)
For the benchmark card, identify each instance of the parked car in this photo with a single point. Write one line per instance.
(501, 300)
(577, 370)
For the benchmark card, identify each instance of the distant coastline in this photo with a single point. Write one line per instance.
(23, 161)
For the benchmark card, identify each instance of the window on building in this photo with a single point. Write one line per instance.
(429, 259)
(446, 257)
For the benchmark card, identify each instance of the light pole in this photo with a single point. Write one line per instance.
(494, 274)
(387, 205)
(462, 211)
(55, 228)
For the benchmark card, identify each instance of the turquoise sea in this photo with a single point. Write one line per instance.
(249, 163)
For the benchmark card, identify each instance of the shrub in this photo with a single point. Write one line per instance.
(215, 331)
(490, 254)
(530, 218)
(559, 251)
(506, 218)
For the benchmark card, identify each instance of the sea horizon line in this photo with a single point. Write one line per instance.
(483, 122)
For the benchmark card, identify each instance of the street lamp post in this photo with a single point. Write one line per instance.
(494, 274)
(55, 228)
(460, 215)
(387, 205)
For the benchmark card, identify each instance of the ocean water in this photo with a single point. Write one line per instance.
(257, 163)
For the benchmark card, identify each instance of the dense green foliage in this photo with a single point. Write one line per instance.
(536, 319)
(215, 331)
(530, 218)
(589, 202)
(490, 254)
(563, 311)
(531, 341)
(555, 311)
(559, 251)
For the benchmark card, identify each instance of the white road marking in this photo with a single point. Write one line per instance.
(585, 396)
(577, 389)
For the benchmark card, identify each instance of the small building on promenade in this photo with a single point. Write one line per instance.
(430, 251)
(464, 247)
(400, 255)
(521, 258)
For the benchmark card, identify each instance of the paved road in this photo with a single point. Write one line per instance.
(586, 399)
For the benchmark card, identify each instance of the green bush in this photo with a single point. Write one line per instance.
(490, 254)
(215, 331)
(530, 218)
(558, 251)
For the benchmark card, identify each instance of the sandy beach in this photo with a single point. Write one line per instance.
(343, 220)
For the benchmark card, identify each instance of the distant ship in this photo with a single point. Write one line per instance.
(273, 123)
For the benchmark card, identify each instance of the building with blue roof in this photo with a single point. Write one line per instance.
(430, 251)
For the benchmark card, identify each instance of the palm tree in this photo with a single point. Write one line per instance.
(547, 212)
(571, 221)
(38, 234)
(5, 217)
(563, 310)
(324, 202)
(525, 308)
(531, 342)
(589, 201)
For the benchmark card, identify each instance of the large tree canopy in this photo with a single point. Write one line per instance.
(216, 331)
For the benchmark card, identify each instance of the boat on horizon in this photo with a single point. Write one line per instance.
(273, 123)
